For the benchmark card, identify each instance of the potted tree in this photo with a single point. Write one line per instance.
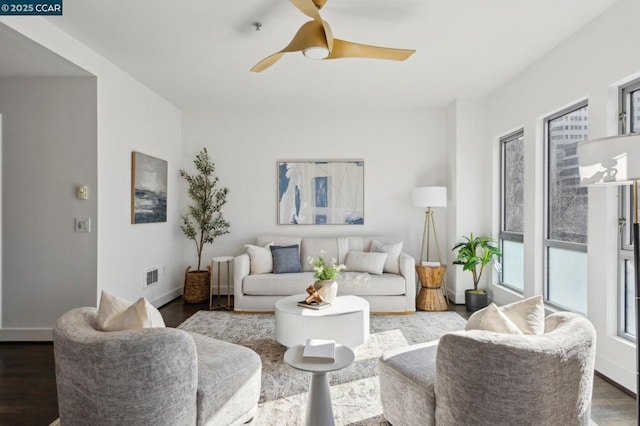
(472, 253)
(203, 222)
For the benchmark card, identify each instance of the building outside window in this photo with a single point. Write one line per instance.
(629, 123)
(565, 239)
(512, 210)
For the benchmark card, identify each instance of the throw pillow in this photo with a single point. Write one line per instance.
(362, 261)
(527, 314)
(260, 258)
(286, 259)
(117, 314)
(393, 250)
(491, 319)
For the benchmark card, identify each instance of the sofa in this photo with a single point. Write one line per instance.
(150, 376)
(390, 290)
(480, 377)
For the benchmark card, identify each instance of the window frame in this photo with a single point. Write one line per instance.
(625, 240)
(547, 242)
(507, 235)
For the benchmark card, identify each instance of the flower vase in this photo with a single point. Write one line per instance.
(328, 289)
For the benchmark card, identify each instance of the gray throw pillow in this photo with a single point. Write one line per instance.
(286, 259)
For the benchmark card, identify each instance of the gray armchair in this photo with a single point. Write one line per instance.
(486, 378)
(151, 376)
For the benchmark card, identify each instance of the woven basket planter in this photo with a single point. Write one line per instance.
(196, 285)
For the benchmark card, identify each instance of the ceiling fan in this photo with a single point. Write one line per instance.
(315, 40)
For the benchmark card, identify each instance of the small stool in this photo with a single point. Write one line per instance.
(431, 296)
(218, 260)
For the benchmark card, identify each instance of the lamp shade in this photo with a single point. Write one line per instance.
(316, 52)
(430, 196)
(613, 160)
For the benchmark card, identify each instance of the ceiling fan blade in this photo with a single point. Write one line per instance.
(347, 49)
(309, 8)
(267, 62)
(311, 34)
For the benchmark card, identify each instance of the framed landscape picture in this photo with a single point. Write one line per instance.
(321, 192)
(148, 189)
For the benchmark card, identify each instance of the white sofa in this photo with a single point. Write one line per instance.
(387, 292)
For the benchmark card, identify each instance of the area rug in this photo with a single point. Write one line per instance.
(354, 390)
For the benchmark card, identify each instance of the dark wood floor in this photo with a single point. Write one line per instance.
(28, 388)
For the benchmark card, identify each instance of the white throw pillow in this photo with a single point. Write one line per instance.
(393, 250)
(362, 261)
(492, 319)
(117, 314)
(261, 259)
(527, 314)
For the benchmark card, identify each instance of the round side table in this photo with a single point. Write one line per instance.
(431, 296)
(218, 261)
(319, 409)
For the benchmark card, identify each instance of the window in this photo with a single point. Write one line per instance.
(565, 240)
(629, 119)
(512, 210)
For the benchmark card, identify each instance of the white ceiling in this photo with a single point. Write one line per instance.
(197, 53)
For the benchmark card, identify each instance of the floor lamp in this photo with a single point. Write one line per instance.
(431, 276)
(615, 160)
(429, 197)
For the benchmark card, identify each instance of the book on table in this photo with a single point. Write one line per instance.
(313, 305)
(319, 350)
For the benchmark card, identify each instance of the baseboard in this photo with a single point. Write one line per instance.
(26, 334)
(451, 296)
(166, 297)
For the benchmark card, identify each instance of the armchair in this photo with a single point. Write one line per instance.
(158, 376)
(485, 378)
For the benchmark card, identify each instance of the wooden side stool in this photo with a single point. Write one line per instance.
(431, 296)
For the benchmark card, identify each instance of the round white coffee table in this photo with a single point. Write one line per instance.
(319, 409)
(346, 321)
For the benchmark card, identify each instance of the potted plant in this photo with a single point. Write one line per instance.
(325, 275)
(203, 222)
(472, 253)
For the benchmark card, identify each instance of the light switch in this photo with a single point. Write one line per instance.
(83, 224)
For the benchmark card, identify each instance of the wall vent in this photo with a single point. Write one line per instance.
(150, 277)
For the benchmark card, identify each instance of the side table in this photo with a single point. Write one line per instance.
(219, 260)
(319, 409)
(431, 296)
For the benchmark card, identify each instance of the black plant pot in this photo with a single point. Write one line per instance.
(475, 301)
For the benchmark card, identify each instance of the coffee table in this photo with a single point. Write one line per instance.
(319, 409)
(346, 321)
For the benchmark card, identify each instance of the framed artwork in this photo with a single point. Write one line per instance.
(321, 192)
(148, 189)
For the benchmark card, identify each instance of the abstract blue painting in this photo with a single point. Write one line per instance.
(148, 189)
(321, 192)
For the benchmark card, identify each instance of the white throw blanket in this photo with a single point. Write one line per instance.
(353, 280)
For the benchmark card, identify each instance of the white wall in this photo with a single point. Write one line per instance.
(589, 65)
(470, 196)
(129, 117)
(49, 147)
(401, 150)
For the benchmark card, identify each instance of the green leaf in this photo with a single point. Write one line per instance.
(204, 222)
